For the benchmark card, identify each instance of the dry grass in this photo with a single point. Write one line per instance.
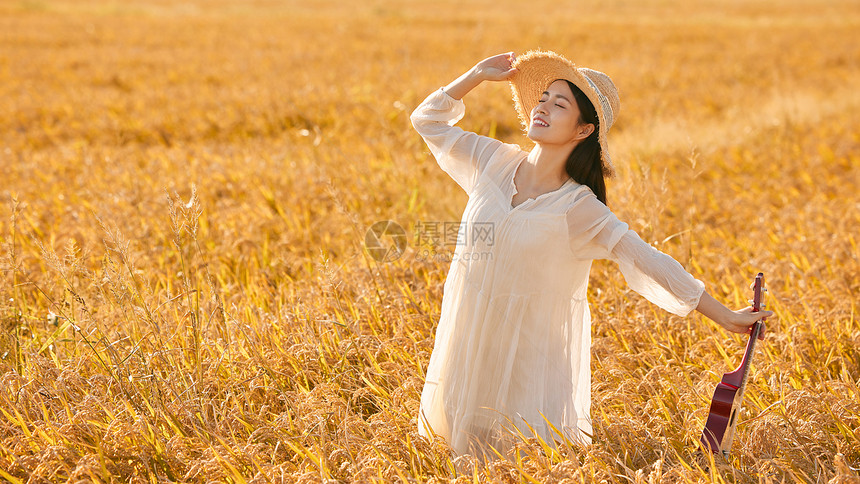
(186, 189)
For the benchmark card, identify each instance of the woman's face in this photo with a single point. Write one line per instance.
(555, 119)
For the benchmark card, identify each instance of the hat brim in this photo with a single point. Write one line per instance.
(536, 70)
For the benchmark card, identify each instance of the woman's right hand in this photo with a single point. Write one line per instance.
(496, 68)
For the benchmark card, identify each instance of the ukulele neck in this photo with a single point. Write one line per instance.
(738, 378)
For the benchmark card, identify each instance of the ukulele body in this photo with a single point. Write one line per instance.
(720, 428)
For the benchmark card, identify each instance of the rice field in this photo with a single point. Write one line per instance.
(186, 190)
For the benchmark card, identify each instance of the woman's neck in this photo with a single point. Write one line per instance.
(548, 165)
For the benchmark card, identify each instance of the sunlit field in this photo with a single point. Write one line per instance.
(186, 189)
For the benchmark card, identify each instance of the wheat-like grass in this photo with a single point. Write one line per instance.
(186, 294)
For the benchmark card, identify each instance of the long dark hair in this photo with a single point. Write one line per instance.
(583, 163)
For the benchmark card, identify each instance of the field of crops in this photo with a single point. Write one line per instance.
(186, 189)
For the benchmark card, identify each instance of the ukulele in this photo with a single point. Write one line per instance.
(720, 428)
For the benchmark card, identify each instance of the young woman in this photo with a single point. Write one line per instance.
(512, 347)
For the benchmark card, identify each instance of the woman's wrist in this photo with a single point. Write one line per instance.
(463, 84)
(714, 310)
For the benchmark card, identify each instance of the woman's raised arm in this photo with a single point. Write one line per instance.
(461, 154)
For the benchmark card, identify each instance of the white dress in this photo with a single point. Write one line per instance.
(513, 342)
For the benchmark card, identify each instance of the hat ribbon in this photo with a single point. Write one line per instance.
(607, 108)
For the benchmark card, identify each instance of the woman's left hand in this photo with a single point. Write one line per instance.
(741, 321)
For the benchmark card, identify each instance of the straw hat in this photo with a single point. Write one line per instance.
(538, 69)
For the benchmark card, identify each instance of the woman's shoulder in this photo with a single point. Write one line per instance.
(511, 150)
(583, 204)
(504, 158)
(580, 195)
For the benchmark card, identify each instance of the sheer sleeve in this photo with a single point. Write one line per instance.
(595, 233)
(461, 154)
